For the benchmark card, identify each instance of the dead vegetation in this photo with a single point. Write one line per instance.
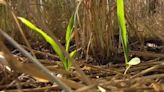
(99, 66)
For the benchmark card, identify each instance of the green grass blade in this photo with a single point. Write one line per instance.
(121, 20)
(54, 45)
(69, 31)
(69, 37)
(73, 55)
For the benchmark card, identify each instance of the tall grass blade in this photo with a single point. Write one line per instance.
(69, 31)
(54, 45)
(121, 20)
(69, 37)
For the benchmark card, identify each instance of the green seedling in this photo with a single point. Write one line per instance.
(132, 62)
(69, 31)
(67, 64)
(121, 21)
(124, 36)
(68, 38)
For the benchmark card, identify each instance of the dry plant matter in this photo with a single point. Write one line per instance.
(97, 33)
(99, 26)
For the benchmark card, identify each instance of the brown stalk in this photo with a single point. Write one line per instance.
(20, 29)
(37, 65)
(148, 70)
(96, 20)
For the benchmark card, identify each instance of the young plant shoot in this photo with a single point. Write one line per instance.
(124, 36)
(121, 21)
(132, 62)
(67, 64)
(68, 38)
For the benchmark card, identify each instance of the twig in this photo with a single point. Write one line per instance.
(148, 70)
(150, 77)
(49, 74)
(20, 29)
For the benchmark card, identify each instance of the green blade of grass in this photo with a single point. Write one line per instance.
(69, 31)
(121, 20)
(54, 45)
(73, 55)
(69, 37)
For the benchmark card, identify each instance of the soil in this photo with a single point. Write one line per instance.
(148, 76)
